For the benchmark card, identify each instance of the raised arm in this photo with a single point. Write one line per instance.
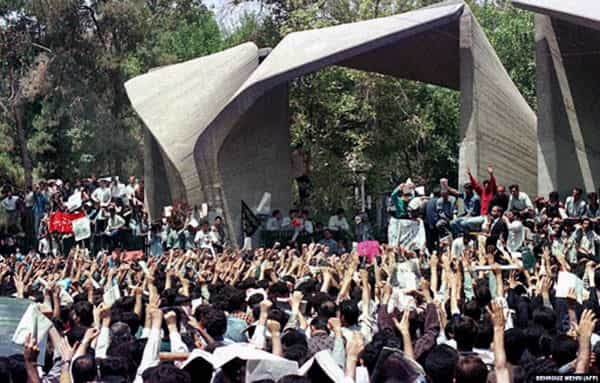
(586, 327)
(497, 314)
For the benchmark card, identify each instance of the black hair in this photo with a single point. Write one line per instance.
(84, 369)
(76, 334)
(215, 322)
(237, 300)
(113, 366)
(472, 309)
(278, 289)
(465, 333)
(294, 379)
(349, 312)
(296, 352)
(485, 334)
(130, 318)
(255, 299)
(279, 316)
(440, 364)
(563, 349)
(293, 337)
(471, 369)
(200, 370)
(165, 373)
(482, 293)
(372, 350)
(85, 311)
(320, 323)
(132, 352)
(514, 344)
(545, 317)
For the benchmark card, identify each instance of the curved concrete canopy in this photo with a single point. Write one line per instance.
(177, 103)
(241, 143)
(582, 12)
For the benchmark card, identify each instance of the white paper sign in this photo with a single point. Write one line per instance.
(81, 228)
(111, 295)
(32, 322)
(74, 201)
(567, 281)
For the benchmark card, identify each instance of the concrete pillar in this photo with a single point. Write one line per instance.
(568, 83)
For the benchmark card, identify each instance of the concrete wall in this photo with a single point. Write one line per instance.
(568, 91)
(256, 158)
(498, 127)
(156, 189)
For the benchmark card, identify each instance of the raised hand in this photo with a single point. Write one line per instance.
(335, 325)
(90, 334)
(274, 327)
(404, 324)
(296, 300)
(171, 319)
(496, 312)
(587, 322)
(30, 349)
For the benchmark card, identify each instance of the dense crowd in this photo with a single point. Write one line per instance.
(491, 286)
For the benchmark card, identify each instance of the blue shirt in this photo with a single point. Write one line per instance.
(431, 215)
(472, 205)
(39, 203)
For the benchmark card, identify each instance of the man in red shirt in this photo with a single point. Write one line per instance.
(485, 192)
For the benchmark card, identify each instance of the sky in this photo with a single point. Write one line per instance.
(227, 14)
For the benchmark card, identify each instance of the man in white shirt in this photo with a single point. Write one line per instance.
(585, 239)
(275, 222)
(129, 196)
(338, 222)
(205, 238)
(9, 204)
(575, 205)
(102, 195)
(518, 202)
(307, 223)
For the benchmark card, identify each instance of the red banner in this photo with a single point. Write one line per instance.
(60, 222)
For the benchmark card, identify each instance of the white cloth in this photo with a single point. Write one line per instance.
(336, 223)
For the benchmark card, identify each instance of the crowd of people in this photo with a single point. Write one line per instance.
(497, 288)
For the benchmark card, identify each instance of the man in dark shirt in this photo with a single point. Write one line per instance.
(431, 218)
(500, 199)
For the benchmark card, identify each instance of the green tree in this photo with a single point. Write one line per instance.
(63, 105)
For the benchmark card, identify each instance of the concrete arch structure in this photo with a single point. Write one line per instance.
(221, 122)
(567, 34)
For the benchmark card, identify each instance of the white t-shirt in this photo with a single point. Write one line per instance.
(336, 223)
(102, 195)
(10, 203)
(205, 239)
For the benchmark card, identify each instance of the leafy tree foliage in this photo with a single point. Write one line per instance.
(63, 107)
